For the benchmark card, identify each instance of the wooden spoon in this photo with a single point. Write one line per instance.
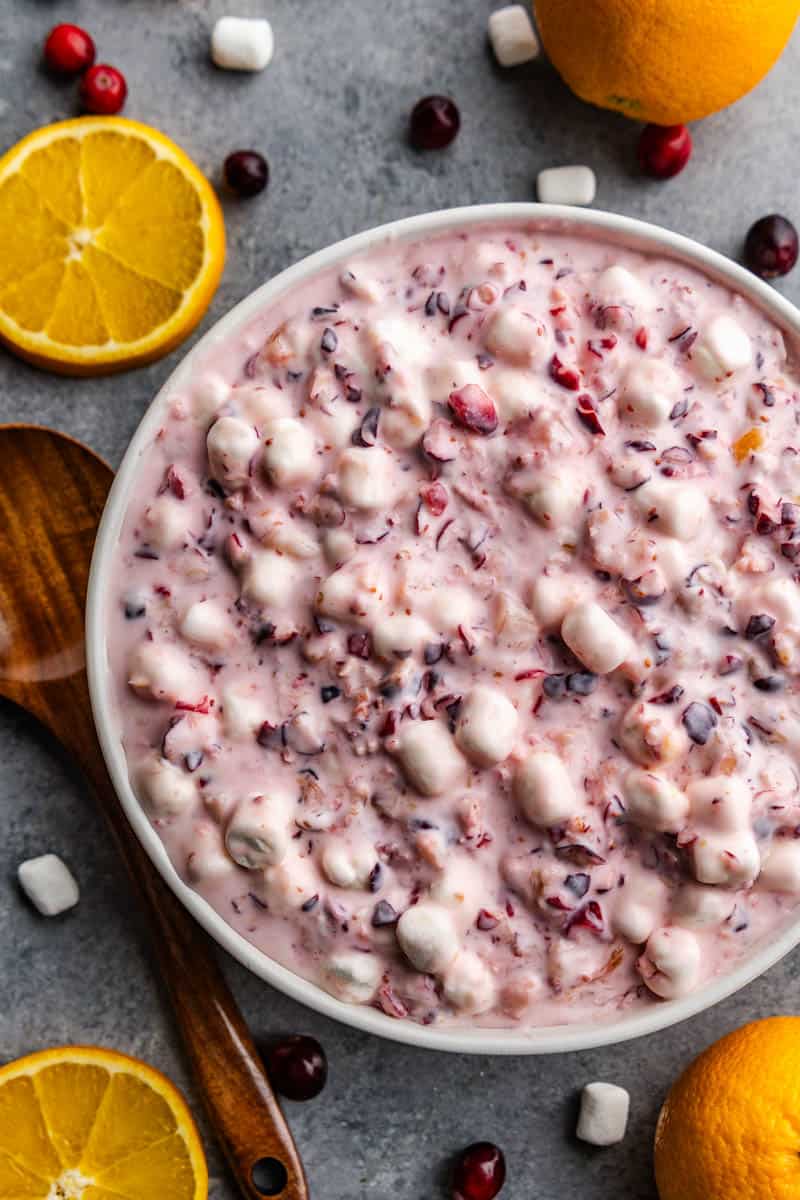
(52, 492)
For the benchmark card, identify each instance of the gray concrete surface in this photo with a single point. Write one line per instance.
(330, 115)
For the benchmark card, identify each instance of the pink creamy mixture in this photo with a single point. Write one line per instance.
(455, 629)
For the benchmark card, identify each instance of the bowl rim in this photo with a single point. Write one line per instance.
(627, 231)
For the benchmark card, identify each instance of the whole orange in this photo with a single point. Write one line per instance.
(666, 61)
(730, 1126)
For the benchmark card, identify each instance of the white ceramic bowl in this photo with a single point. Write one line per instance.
(610, 227)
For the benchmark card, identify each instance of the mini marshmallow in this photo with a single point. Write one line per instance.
(348, 866)
(566, 185)
(230, 445)
(460, 889)
(651, 733)
(243, 712)
(721, 802)
(653, 802)
(168, 790)
(268, 579)
(339, 546)
(259, 832)
(367, 477)
(516, 336)
(649, 392)
(429, 758)
(780, 870)
(486, 726)
(242, 43)
(603, 1117)
(513, 622)
(551, 597)
(728, 860)
(428, 937)
(781, 598)
(164, 524)
(49, 884)
(400, 636)
(468, 984)
(449, 607)
(678, 510)
(670, 965)
(352, 976)
(512, 36)
(514, 395)
(634, 920)
(544, 790)
(354, 592)
(595, 638)
(617, 285)
(290, 884)
(289, 537)
(699, 907)
(207, 860)
(209, 394)
(404, 420)
(442, 378)
(206, 624)
(160, 671)
(553, 502)
(722, 348)
(258, 404)
(289, 452)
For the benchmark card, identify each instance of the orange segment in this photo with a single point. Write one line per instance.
(92, 1124)
(119, 245)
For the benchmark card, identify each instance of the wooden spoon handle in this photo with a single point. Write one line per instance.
(238, 1097)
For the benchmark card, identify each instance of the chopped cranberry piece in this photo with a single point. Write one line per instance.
(664, 150)
(479, 1172)
(699, 721)
(641, 337)
(473, 409)
(758, 624)
(567, 377)
(486, 921)
(359, 645)
(297, 1067)
(435, 497)
(587, 413)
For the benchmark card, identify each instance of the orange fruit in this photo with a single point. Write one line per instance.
(111, 248)
(730, 1126)
(666, 61)
(83, 1123)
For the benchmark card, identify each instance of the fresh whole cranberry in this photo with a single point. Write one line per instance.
(246, 172)
(103, 90)
(479, 1172)
(435, 121)
(664, 150)
(770, 248)
(297, 1067)
(68, 50)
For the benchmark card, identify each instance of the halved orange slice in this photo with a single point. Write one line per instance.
(112, 243)
(84, 1123)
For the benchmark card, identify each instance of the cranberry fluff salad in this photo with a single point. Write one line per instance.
(455, 629)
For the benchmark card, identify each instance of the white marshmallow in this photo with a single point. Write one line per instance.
(164, 524)
(206, 624)
(289, 537)
(649, 393)
(230, 445)
(678, 510)
(242, 43)
(289, 452)
(243, 712)
(460, 889)
(544, 790)
(446, 377)
(355, 592)
(408, 414)
(161, 671)
(260, 404)
(49, 884)
(654, 803)
(728, 860)
(516, 336)
(721, 802)
(367, 477)
(554, 502)
(722, 347)
(430, 760)
(513, 622)
(651, 733)
(780, 871)
(699, 907)
(259, 831)
(428, 937)
(551, 597)
(468, 984)
(670, 965)
(618, 285)
(486, 726)
(168, 790)
(595, 638)
(209, 394)
(781, 598)
(361, 286)
(291, 883)
(399, 636)
(339, 546)
(207, 860)
(634, 920)
(449, 607)
(348, 866)
(514, 394)
(566, 185)
(352, 976)
(268, 579)
(603, 1117)
(512, 36)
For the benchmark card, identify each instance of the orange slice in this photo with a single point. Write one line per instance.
(84, 1123)
(111, 248)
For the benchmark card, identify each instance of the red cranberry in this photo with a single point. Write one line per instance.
(246, 172)
(479, 1173)
(103, 90)
(770, 248)
(297, 1067)
(68, 49)
(473, 409)
(435, 121)
(664, 150)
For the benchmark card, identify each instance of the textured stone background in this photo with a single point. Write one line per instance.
(330, 114)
